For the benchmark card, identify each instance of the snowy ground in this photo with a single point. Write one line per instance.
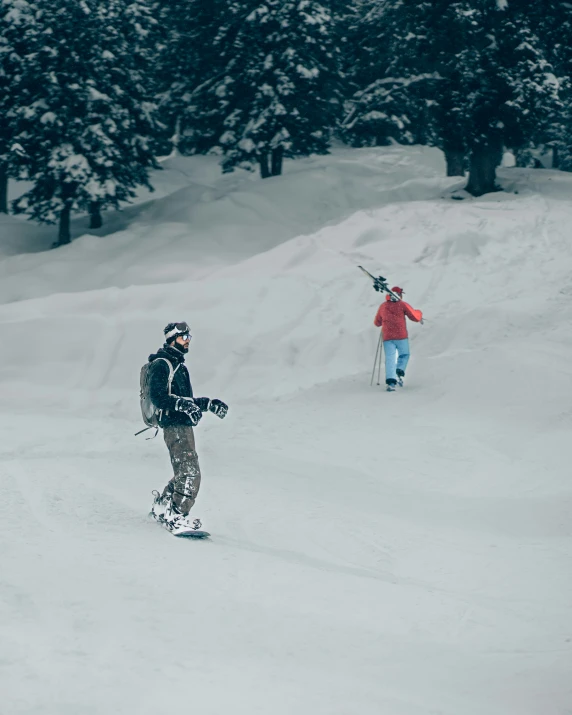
(403, 554)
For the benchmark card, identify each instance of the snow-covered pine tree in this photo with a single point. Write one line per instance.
(405, 88)
(192, 34)
(86, 135)
(444, 95)
(388, 102)
(552, 20)
(508, 84)
(277, 94)
(473, 70)
(17, 28)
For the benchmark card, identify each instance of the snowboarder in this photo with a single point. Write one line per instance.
(171, 394)
(390, 318)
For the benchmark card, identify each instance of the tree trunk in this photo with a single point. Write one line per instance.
(95, 218)
(277, 160)
(555, 158)
(482, 169)
(455, 159)
(3, 189)
(264, 168)
(64, 235)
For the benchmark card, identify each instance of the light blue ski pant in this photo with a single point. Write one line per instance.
(396, 357)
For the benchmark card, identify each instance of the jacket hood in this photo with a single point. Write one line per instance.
(168, 352)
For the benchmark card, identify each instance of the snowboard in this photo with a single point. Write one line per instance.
(192, 534)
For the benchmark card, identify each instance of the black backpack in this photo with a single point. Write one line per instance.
(151, 415)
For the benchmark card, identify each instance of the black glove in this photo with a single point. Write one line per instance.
(218, 408)
(202, 402)
(190, 408)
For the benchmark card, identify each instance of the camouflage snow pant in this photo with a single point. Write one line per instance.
(186, 480)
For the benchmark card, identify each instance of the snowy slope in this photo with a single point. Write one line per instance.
(400, 554)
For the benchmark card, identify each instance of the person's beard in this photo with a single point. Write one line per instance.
(182, 348)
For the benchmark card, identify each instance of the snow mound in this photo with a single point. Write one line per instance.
(402, 553)
(208, 221)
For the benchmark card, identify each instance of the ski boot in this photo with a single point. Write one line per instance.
(180, 524)
(167, 514)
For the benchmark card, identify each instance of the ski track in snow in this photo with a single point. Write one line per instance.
(404, 554)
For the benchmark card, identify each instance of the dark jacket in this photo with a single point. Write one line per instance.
(159, 388)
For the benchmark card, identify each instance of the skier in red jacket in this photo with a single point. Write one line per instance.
(390, 318)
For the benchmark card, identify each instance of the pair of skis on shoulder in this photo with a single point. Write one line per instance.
(380, 284)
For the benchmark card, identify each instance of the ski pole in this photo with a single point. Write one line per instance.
(377, 352)
(380, 356)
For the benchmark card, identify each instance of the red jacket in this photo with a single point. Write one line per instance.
(391, 318)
